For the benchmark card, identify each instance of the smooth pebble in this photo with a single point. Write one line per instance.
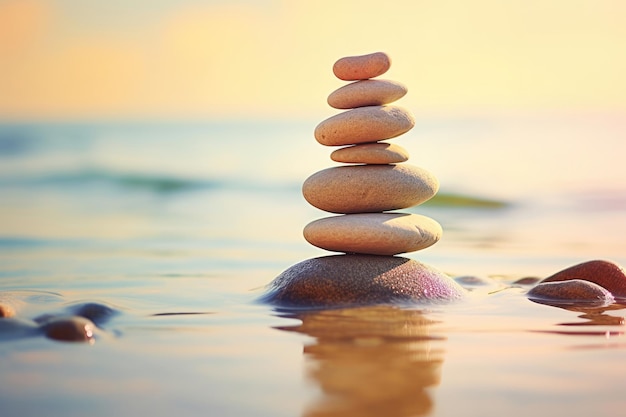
(366, 93)
(373, 233)
(604, 273)
(569, 292)
(361, 67)
(364, 124)
(69, 329)
(369, 188)
(6, 310)
(371, 153)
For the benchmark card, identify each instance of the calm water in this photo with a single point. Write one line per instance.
(158, 221)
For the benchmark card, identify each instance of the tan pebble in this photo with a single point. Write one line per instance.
(343, 280)
(369, 188)
(69, 329)
(6, 310)
(364, 124)
(371, 153)
(361, 67)
(373, 233)
(366, 93)
(570, 291)
(604, 273)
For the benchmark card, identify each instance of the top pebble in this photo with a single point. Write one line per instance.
(362, 67)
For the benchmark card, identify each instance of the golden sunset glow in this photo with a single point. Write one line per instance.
(216, 59)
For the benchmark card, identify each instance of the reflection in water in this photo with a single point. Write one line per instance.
(596, 316)
(370, 361)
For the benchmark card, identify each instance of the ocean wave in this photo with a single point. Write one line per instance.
(155, 182)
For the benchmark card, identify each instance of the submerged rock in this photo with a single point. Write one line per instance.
(350, 280)
(69, 329)
(604, 273)
(96, 312)
(6, 310)
(575, 291)
(527, 281)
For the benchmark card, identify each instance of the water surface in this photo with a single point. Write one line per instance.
(177, 228)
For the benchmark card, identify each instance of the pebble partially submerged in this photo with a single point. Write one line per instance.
(75, 323)
(352, 280)
(575, 291)
(604, 273)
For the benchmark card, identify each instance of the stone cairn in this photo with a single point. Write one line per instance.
(381, 181)
(374, 181)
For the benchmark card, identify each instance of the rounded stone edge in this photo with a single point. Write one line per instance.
(570, 292)
(380, 153)
(361, 67)
(304, 286)
(393, 228)
(355, 126)
(429, 185)
(365, 93)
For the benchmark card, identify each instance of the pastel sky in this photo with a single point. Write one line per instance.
(177, 59)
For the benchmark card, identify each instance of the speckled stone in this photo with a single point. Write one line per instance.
(364, 124)
(361, 67)
(348, 280)
(569, 292)
(604, 273)
(373, 233)
(366, 93)
(369, 188)
(371, 153)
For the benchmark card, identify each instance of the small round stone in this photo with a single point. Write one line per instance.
(373, 233)
(6, 310)
(573, 291)
(369, 188)
(371, 153)
(349, 280)
(604, 273)
(364, 124)
(69, 329)
(361, 67)
(472, 282)
(366, 93)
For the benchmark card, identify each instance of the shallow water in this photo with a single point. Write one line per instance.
(161, 221)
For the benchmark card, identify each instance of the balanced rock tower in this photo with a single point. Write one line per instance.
(364, 194)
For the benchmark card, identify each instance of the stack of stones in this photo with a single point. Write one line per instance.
(379, 181)
(374, 181)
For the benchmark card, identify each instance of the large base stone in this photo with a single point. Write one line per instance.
(350, 280)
